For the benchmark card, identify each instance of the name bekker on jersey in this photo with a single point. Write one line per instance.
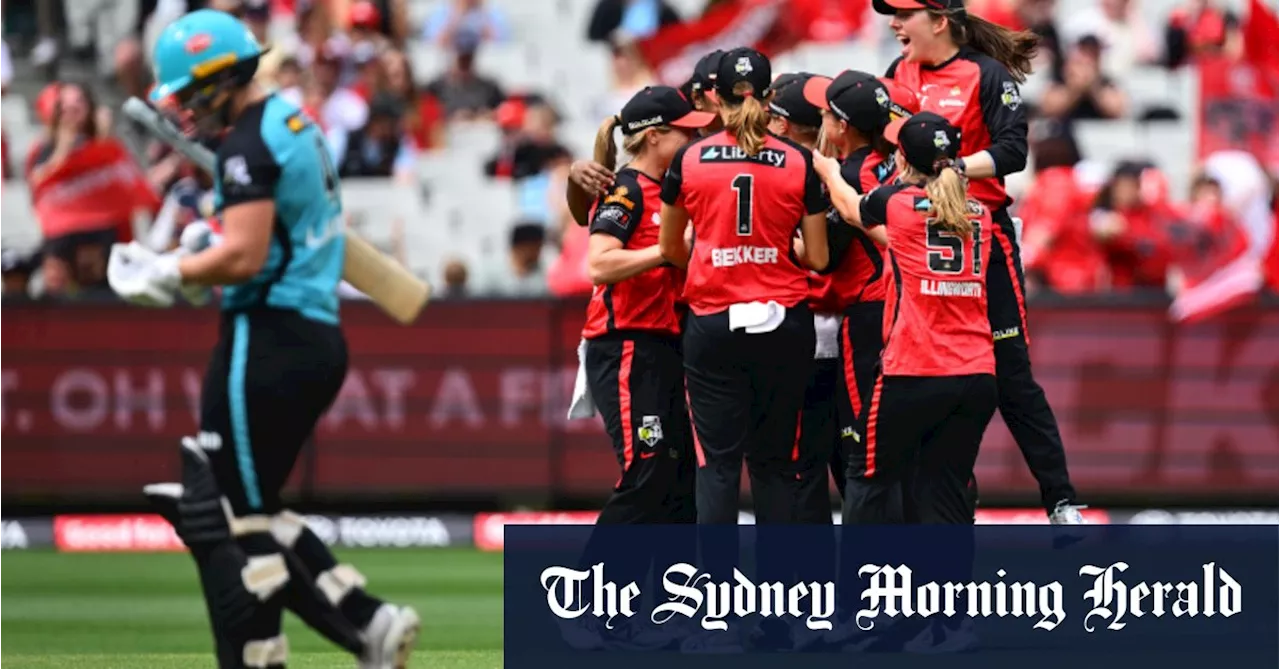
(935, 316)
(745, 211)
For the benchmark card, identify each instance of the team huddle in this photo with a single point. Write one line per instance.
(816, 274)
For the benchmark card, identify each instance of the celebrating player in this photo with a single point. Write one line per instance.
(967, 70)
(749, 342)
(795, 118)
(633, 361)
(856, 109)
(937, 390)
(279, 363)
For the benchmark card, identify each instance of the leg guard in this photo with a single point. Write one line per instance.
(341, 585)
(247, 576)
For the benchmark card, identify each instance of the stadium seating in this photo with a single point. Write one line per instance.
(457, 211)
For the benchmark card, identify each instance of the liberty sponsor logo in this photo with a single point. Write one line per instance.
(735, 154)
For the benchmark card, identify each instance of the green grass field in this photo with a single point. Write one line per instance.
(144, 611)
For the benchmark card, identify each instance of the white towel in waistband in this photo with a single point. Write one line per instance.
(756, 317)
(826, 330)
(582, 405)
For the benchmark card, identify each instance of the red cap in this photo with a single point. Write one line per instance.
(364, 14)
(902, 100)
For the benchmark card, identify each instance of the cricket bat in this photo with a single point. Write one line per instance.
(386, 282)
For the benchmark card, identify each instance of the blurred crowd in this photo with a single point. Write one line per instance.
(95, 179)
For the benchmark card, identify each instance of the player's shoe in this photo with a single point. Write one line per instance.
(390, 637)
(939, 637)
(1066, 513)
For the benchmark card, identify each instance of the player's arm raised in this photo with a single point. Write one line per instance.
(249, 176)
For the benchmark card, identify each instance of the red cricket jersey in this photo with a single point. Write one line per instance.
(745, 210)
(645, 302)
(977, 95)
(935, 315)
(858, 276)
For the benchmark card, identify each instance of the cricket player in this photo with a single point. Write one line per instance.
(279, 362)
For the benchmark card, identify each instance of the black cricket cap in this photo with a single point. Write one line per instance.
(788, 100)
(925, 139)
(661, 105)
(704, 71)
(893, 6)
(857, 98)
(739, 65)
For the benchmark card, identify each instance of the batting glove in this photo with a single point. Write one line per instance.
(143, 277)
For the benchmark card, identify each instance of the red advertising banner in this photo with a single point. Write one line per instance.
(472, 402)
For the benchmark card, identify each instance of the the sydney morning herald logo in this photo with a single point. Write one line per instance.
(892, 590)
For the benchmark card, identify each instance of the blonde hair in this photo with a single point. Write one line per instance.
(948, 199)
(747, 121)
(606, 150)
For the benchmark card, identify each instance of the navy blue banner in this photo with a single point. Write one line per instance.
(1090, 597)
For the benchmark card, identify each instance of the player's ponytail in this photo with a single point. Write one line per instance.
(950, 202)
(1015, 49)
(606, 151)
(748, 121)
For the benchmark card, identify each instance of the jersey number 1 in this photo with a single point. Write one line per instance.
(946, 249)
(744, 186)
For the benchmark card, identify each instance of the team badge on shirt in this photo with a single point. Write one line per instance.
(1010, 97)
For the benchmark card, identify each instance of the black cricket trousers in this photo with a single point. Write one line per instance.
(272, 376)
(745, 395)
(922, 439)
(1023, 405)
(637, 381)
(831, 431)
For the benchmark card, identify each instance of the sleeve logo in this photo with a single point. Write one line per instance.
(619, 196)
(235, 171)
(1010, 97)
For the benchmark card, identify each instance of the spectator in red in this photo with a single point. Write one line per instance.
(424, 115)
(1197, 28)
(1058, 251)
(1131, 230)
(1206, 237)
(86, 190)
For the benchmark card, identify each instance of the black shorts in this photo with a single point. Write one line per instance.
(861, 343)
(637, 382)
(272, 376)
